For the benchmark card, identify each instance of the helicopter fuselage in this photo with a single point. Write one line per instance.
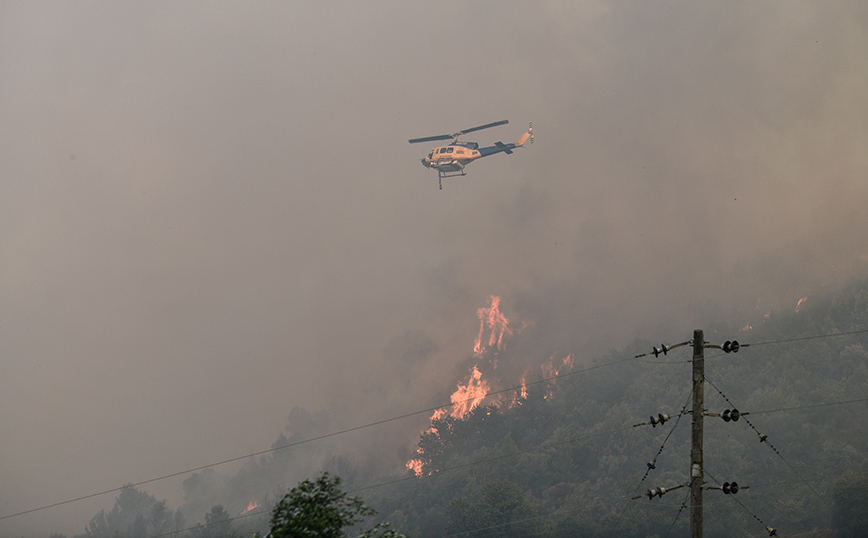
(452, 158)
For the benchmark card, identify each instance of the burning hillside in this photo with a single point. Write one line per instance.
(484, 380)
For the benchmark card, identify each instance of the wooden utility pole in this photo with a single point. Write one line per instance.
(696, 470)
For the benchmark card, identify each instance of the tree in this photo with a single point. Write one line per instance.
(136, 514)
(218, 524)
(501, 511)
(321, 510)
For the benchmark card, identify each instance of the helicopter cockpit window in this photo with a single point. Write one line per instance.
(449, 149)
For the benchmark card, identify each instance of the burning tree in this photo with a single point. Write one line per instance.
(470, 395)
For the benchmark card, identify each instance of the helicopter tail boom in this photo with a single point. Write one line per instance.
(500, 147)
(505, 148)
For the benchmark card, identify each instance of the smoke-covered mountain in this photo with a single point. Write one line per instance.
(565, 446)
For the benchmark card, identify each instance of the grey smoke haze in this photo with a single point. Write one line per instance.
(209, 212)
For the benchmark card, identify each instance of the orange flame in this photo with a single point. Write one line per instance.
(520, 395)
(469, 396)
(494, 330)
(799, 304)
(251, 506)
(493, 319)
(465, 399)
(415, 465)
(551, 371)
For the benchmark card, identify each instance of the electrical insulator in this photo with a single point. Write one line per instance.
(663, 349)
(730, 487)
(661, 418)
(652, 464)
(730, 415)
(763, 438)
(655, 491)
(731, 347)
(772, 532)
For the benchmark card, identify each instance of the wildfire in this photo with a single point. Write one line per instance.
(469, 395)
(253, 505)
(551, 369)
(493, 319)
(521, 394)
(465, 399)
(799, 304)
(494, 332)
(766, 316)
(415, 465)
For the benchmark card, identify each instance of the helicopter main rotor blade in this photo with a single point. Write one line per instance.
(430, 138)
(459, 133)
(481, 127)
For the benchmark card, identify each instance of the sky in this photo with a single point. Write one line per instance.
(210, 214)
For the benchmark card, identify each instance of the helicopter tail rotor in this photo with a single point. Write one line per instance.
(527, 135)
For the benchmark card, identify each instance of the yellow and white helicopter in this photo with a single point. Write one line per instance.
(450, 160)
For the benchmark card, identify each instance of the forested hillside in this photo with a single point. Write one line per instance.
(573, 455)
(568, 460)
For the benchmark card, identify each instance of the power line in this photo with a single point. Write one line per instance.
(549, 445)
(188, 529)
(426, 411)
(653, 463)
(812, 406)
(764, 439)
(664, 349)
(528, 451)
(223, 462)
(770, 530)
(821, 479)
(814, 337)
(683, 506)
(439, 472)
(312, 439)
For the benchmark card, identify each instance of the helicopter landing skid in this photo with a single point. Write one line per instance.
(441, 176)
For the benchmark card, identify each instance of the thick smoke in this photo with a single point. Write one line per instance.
(211, 216)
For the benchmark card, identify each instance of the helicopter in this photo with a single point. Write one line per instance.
(450, 160)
